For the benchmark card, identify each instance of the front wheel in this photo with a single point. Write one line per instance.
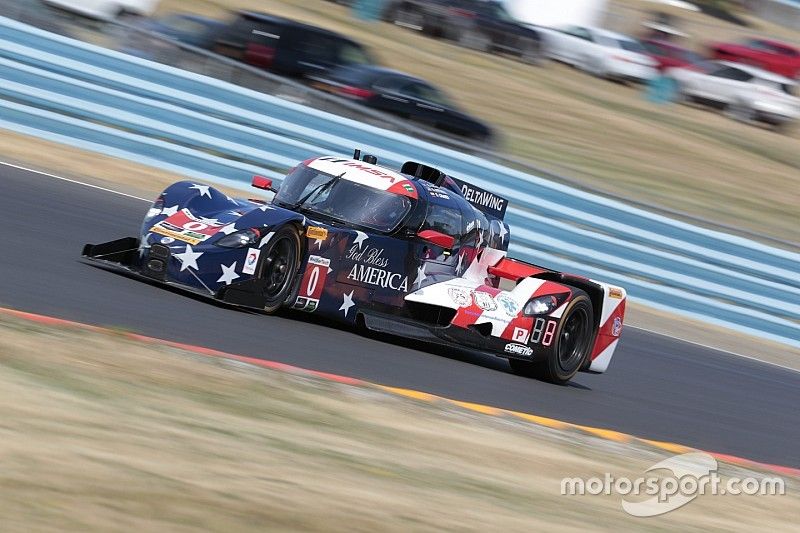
(572, 347)
(740, 111)
(280, 261)
(531, 52)
(475, 40)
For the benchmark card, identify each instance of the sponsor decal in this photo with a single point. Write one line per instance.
(508, 304)
(315, 232)
(321, 261)
(518, 349)
(438, 192)
(312, 284)
(408, 187)
(152, 212)
(488, 203)
(378, 277)
(615, 292)
(461, 297)
(372, 170)
(616, 329)
(484, 300)
(520, 335)
(167, 240)
(186, 227)
(369, 255)
(251, 260)
(371, 267)
(308, 305)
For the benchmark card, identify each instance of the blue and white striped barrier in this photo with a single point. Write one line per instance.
(81, 94)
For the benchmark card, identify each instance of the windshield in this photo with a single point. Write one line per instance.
(342, 200)
(631, 46)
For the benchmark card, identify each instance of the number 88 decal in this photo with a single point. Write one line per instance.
(543, 330)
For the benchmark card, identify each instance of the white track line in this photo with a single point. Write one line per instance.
(62, 178)
(714, 348)
(120, 193)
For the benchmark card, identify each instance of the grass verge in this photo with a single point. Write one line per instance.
(103, 433)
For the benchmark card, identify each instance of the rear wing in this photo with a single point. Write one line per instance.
(486, 202)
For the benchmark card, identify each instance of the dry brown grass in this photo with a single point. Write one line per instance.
(122, 175)
(100, 433)
(605, 134)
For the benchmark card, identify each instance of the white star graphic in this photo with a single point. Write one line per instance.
(169, 211)
(227, 230)
(503, 230)
(480, 237)
(188, 258)
(228, 273)
(458, 266)
(265, 207)
(204, 189)
(318, 242)
(209, 221)
(420, 275)
(347, 303)
(360, 238)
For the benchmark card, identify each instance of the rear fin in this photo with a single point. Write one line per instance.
(486, 202)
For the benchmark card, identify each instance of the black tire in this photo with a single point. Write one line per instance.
(408, 17)
(531, 52)
(571, 348)
(740, 111)
(474, 40)
(278, 266)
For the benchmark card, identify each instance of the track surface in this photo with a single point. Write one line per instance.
(656, 387)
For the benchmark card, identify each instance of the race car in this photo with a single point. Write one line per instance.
(415, 253)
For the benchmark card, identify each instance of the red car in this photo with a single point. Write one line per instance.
(670, 55)
(775, 56)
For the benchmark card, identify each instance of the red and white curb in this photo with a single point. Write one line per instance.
(606, 434)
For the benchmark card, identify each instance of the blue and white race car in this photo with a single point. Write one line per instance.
(414, 253)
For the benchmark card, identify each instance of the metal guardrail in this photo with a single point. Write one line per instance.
(133, 39)
(74, 92)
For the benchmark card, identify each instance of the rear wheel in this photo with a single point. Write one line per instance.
(474, 39)
(531, 52)
(572, 346)
(408, 17)
(740, 111)
(280, 260)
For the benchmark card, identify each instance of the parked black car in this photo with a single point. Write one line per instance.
(404, 95)
(286, 46)
(185, 28)
(483, 25)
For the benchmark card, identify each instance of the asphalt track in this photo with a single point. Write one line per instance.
(657, 387)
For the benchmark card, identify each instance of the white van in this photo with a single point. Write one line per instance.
(106, 9)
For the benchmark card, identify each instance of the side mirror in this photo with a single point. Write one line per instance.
(439, 239)
(260, 182)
